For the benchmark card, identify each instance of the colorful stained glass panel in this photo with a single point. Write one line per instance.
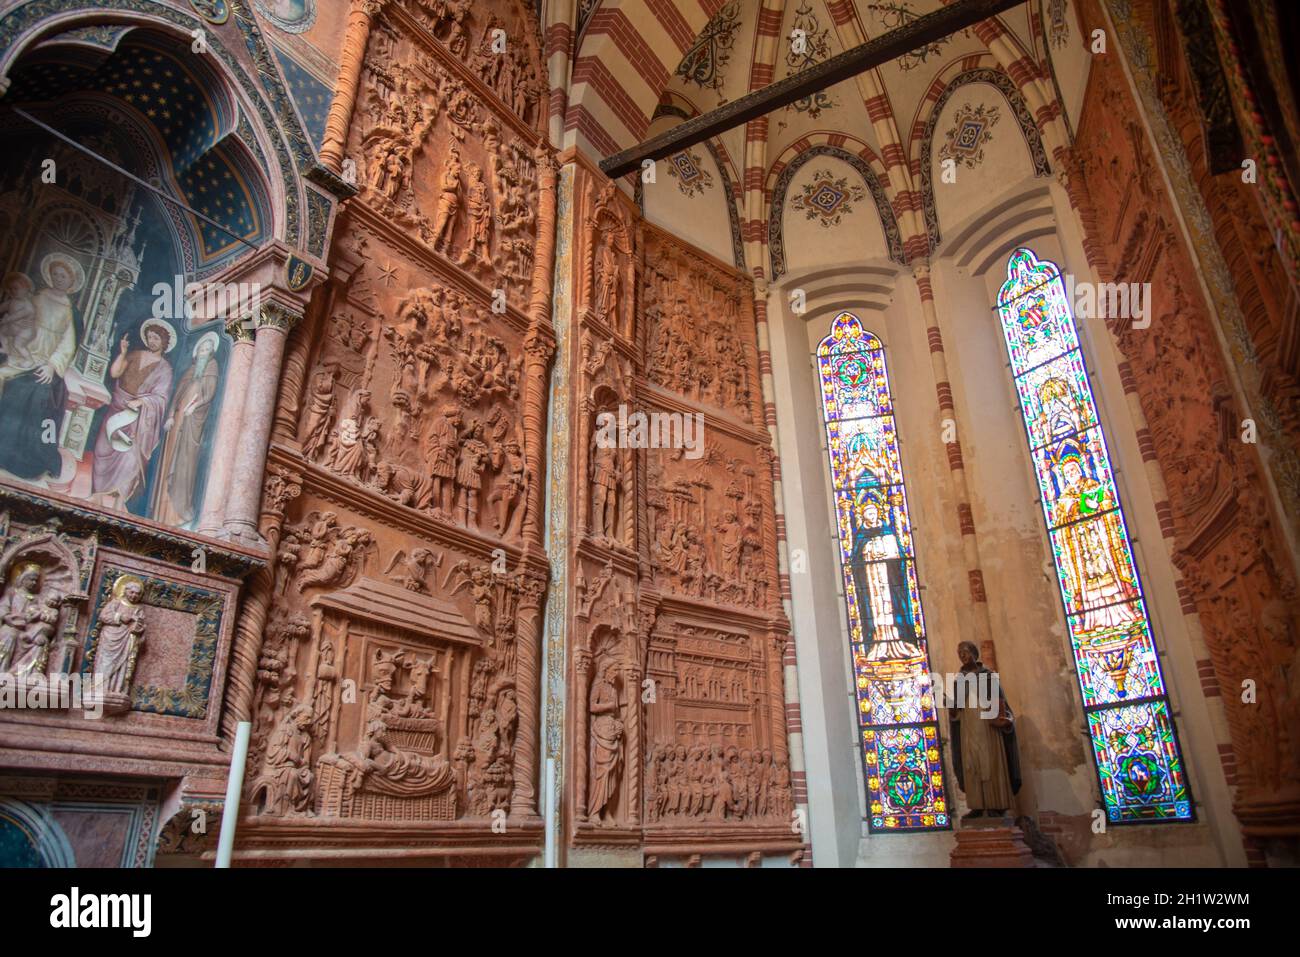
(1074, 478)
(864, 452)
(1117, 662)
(854, 385)
(1141, 771)
(904, 779)
(1139, 766)
(896, 706)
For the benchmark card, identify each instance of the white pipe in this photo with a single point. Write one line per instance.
(234, 788)
(549, 854)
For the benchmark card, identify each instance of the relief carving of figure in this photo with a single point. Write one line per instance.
(320, 411)
(121, 636)
(469, 475)
(444, 217)
(28, 620)
(479, 211)
(605, 488)
(511, 486)
(606, 747)
(443, 443)
(286, 783)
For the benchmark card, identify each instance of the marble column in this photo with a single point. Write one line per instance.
(232, 414)
(361, 15)
(273, 323)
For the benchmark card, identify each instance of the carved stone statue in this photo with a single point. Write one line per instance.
(984, 752)
(28, 620)
(605, 480)
(285, 785)
(606, 747)
(319, 412)
(121, 636)
(444, 217)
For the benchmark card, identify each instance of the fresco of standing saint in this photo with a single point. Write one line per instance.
(41, 341)
(185, 429)
(133, 425)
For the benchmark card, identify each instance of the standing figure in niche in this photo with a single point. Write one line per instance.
(880, 578)
(604, 488)
(608, 283)
(479, 212)
(121, 635)
(185, 429)
(31, 383)
(134, 423)
(606, 746)
(985, 757)
(469, 475)
(28, 620)
(444, 217)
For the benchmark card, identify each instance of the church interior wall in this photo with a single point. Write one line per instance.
(375, 515)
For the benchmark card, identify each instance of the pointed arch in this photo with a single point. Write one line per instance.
(776, 218)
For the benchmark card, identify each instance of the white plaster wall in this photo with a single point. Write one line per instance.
(701, 219)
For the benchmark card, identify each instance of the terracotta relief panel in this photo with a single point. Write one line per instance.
(1228, 546)
(443, 140)
(398, 627)
(699, 330)
(675, 710)
(105, 624)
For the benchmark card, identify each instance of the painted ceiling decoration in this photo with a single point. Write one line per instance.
(692, 178)
(970, 132)
(1058, 23)
(1024, 119)
(776, 221)
(899, 13)
(721, 160)
(826, 198)
(706, 61)
(816, 48)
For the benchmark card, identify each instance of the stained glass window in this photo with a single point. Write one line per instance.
(896, 708)
(1129, 719)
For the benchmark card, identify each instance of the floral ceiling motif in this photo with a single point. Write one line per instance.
(1058, 27)
(970, 133)
(705, 62)
(692, 178)
(899, 13)
(809, 45)
(826, 198)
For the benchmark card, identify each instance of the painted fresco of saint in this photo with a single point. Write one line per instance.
(185, 430)
(133, 426)
(41, 340)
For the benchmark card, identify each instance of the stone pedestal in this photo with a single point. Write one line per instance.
(991, 842)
